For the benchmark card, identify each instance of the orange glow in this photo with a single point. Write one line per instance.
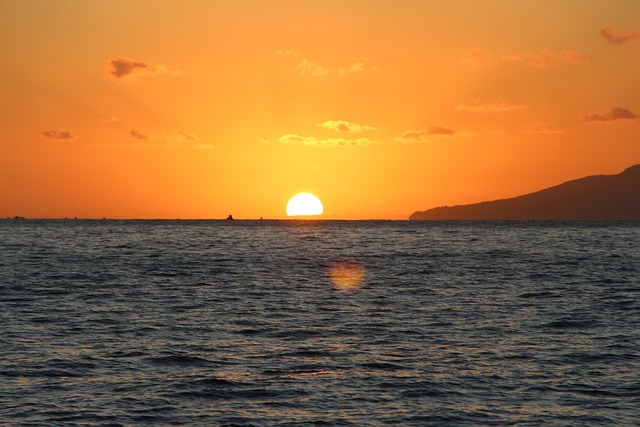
(164, 109)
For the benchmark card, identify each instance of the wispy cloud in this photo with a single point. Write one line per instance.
(615, 36)
(139, 135)
(425, 135)
(359, 66)
(309, 68)
(611, 115)
(177, 137)
(345, 126)
(128, 70)
(546, 58)
(541, 128)
(429, 134)
(478, 106)
(58, 135)
(287, 52)
(473, 57)
(326, 142)
(110, 120)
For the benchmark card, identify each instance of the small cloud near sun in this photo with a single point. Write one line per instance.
(309, 68)
(345, 126)
(64, 135)
(612, 115)
(175, 138)
(472, 57)
(179, 137)
(127, 70)
(498, 106)
(110, 120)
(287, 52)
(429, 134)
(547, 57)
(359, 66)
(619, 37)
(326, 142)
(306, 67)
(540, 128)
(139, 135)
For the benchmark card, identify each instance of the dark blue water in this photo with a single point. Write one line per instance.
(241, 323)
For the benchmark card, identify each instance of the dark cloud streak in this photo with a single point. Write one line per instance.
(615, 36)
(58, 135)
(121, 67)
(127, 70)
(139, 135)
(612, 115)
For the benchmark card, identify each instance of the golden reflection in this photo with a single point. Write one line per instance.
(346, 275)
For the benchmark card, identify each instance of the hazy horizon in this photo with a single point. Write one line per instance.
(319, 217)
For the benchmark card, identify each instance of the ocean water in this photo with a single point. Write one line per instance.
(328, 323)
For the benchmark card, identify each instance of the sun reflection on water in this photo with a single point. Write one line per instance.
(346, 275)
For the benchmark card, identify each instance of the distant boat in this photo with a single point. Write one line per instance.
(230, 218)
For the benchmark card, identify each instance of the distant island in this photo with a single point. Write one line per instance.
(593, 198)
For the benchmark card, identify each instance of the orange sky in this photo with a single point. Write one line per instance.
(203, 108)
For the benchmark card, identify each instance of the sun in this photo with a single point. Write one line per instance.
(304, 204)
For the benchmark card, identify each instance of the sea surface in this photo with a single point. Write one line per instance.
(319, 323)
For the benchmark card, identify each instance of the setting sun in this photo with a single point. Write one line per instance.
(304, 204)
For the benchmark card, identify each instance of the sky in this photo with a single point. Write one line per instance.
(205, 108)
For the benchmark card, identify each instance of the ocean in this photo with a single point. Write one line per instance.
(319, 323)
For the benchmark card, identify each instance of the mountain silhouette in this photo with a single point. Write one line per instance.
(593, 198)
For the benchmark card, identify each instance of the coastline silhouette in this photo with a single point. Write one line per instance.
(595, 198)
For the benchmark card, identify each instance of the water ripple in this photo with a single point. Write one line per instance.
(239, 323)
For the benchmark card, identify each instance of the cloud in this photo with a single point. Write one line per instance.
(327, 142)
(357, 67)
(345, 126)
(498, 106)
(547, 58)
(472, 57)
(175, 138)
(540, 128)
(612, 115)
(308, 68)
(64, 135)
(139, 135)
(179, 137)
(615, 36)
(128, 70)
(429, 134)
(125, 68)
(287, 52)
(110, 120)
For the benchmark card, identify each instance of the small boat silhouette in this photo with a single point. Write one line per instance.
(230, 218)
